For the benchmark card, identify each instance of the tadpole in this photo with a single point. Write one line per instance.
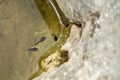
(33, 49)
(55, 37)
(41, 40)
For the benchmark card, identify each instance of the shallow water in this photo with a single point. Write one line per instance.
(21, 25)
(59, 27)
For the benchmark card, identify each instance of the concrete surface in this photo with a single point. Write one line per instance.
(96, 54)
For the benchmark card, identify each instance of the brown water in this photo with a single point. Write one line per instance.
(20, 26)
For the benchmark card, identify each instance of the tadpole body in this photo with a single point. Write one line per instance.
(33, 49)
(40, 40)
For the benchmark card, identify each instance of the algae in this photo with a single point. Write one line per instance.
(58, 24)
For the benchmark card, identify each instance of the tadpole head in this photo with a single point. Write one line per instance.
(55, 37)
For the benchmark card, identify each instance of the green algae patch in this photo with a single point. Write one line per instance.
(59, 26)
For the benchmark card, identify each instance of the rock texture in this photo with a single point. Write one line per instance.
(94, 53)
